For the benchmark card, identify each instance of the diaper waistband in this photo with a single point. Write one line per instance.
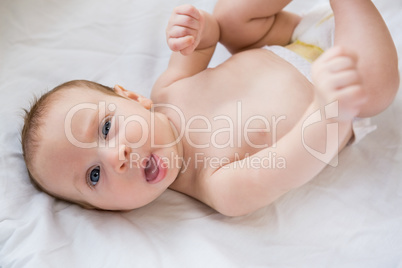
(299, 62)
(307, 51)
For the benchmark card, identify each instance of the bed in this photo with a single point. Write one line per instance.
(348, 216)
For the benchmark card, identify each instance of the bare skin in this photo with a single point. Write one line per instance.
(340, 75)
(250, 107)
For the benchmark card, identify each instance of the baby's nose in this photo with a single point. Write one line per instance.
(123, 155)
(117, 158)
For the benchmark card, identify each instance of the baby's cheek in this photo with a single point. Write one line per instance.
(135, 131)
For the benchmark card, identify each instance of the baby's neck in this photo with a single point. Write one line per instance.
(178, 141)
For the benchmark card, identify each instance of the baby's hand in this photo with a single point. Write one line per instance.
(336, 78)
(184, 29)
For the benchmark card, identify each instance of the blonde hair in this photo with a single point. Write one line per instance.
(33, 121)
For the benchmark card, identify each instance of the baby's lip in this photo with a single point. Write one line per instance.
(151, 169)
(154, 170)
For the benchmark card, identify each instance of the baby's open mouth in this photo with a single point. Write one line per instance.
(151, 169)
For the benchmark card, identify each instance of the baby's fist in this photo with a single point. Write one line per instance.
(184, 29)
(336, 78)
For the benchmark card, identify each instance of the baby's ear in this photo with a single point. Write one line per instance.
(147, 103)
(125, 93)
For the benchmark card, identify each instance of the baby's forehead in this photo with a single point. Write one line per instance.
(81, 92)
(69, 114)
(66, 101)
(77, 95)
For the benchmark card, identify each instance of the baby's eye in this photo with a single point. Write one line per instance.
(106, 127)
(94, 176)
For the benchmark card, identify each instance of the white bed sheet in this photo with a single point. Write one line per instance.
(348, 216)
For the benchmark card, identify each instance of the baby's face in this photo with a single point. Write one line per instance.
(97, 148)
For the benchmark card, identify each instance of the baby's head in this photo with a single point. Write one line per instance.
(99, 147)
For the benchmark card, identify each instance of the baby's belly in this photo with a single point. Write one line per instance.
(243, 106)
(268, 92)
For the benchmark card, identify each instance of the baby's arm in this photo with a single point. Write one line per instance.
(249, 24)
(192, 35)
(244, 186)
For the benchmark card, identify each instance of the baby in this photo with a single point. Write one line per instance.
(235, 137)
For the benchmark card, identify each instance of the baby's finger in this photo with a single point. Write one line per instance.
(355, 95)
(178, 44)
(188, 10)
(188, 50)
(345, 78)
(330, 54)
(341, 63)
(338, 81)
(186, 21)
(176, 32)
(335, 52)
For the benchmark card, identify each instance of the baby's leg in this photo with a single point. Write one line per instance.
(360, 28)
(249, 24)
